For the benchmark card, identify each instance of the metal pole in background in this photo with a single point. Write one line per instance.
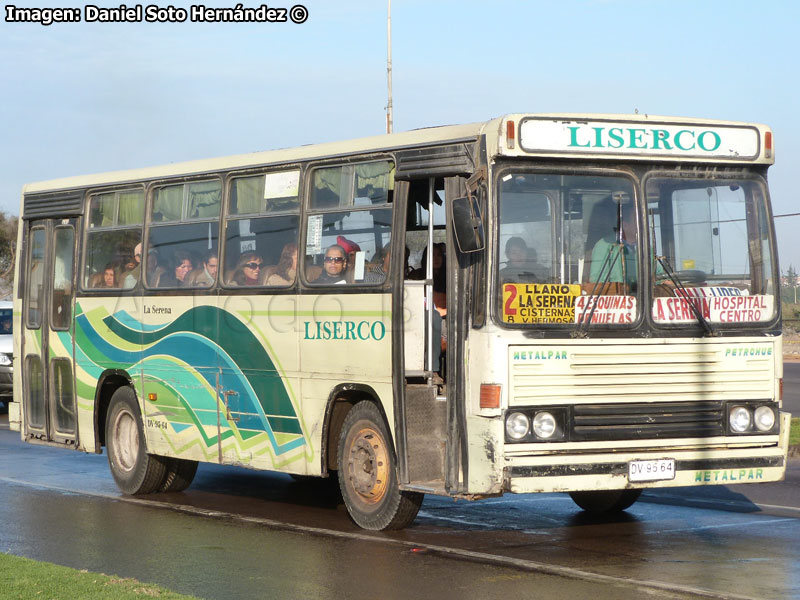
(389, 68)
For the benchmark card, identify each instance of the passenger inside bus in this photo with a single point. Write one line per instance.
(109, 276)
(154, 270)
(183, 266)
(613, 257)
(521, 266)
(351, 249)
(286, 269)
(334, 266)
(206, 274)
(377, 274)
(248, 270)
(439, 276)
(132, 275)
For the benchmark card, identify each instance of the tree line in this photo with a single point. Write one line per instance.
(8, 251)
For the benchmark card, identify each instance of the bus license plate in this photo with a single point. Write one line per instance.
(651, 470)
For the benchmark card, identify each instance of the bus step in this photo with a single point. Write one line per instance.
(426, 487)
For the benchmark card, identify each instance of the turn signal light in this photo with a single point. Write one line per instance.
(511, 133)
(490, 395)
(768, 144)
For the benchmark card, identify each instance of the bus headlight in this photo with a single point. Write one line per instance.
(544, 425)
(740, 419)
(764, 418)
(517, 426)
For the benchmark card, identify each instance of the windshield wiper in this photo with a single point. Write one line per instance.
(684, 294)
(597, 290)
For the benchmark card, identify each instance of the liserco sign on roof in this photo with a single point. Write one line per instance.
(639, 138)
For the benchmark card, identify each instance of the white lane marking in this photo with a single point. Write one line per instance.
(715, 503)
(779, 507)
(432, 515)
(483, 557)
(725, 525)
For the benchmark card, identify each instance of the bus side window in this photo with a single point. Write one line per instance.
(348, 247)
(261, 252)
(113, 242)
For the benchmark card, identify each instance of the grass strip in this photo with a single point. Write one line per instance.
(794, 432)
(23, 578)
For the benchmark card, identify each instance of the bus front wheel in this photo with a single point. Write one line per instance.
(134, 471)
(605, 501)
(368, 474)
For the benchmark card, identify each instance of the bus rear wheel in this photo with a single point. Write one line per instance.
(178, 475)
(134, 471)
(605, 501)
(368, 473)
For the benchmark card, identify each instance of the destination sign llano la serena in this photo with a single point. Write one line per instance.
(639, 138)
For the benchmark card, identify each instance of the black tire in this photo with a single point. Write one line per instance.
(134, 471)
(605, 501)
(178, 475)
(368, 473)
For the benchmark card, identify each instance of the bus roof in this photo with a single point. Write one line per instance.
(378, 143)
(560, 135)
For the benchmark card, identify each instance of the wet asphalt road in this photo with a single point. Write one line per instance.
(244, 534)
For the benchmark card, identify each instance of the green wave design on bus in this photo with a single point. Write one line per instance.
(187, 356)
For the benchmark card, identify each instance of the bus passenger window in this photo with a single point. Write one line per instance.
(114, 240)
(261, 251)
(348, 247)
(269, 193)
(182, 255)
(364, 185)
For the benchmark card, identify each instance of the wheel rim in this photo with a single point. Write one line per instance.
(125, 434)
(368, 465)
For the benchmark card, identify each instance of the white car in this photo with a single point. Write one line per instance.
(6, 353)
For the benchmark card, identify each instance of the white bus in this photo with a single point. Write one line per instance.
(598, 313)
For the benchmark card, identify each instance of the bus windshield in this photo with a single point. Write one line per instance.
(568, 249)
(711, 245)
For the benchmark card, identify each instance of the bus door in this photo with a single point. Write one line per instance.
(47, 346)
(424, 335)
(435, 327)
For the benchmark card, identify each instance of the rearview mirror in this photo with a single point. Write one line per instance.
(468, 224)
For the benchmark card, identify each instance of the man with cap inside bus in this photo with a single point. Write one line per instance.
(350, 248)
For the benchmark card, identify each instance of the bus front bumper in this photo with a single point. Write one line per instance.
(617, 470)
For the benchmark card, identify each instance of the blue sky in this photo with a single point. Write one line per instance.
(85, 98)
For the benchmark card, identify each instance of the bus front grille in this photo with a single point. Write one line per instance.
(652, 420)
(640, 373)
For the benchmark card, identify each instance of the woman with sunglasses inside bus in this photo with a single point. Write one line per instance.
(248, 270)
(334, 266)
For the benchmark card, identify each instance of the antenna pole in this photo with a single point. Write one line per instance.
(389, 68)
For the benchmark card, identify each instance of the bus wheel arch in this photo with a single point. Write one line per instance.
(108, 383)
(340, 401)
